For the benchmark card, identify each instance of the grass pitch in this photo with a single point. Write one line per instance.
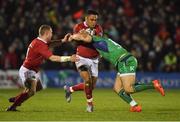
(50, 105)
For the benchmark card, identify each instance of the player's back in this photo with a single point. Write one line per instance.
(37, 51)
(109, 49)
(84, 49)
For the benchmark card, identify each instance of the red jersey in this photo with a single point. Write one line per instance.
(37, 51)
(86, 49)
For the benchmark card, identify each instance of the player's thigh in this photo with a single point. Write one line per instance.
(128, 82)
(127, 66)
(85, 75)
(94, 67)
(127, 69)
(27, 77)
(84, 67)
(118, 84)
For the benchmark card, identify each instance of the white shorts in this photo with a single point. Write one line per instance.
(91, 63)
(25, 73)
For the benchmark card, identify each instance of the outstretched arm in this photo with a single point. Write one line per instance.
(56, 58)
(55, 43)
(81, 37)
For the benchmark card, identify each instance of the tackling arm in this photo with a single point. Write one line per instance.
(55, 43)
(56, 58)
(81, 37)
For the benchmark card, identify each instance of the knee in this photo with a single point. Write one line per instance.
(117, 89)
(31, 92)
(87, 83)
(85, 73)
(129, 89)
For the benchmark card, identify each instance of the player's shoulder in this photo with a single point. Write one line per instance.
(37, 42)
(79, 25)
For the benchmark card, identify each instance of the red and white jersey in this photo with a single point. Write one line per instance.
(86, 49)
(37, 51)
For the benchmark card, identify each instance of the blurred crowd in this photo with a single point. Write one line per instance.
(150, 29)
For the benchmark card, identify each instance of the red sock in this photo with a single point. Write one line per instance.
(90, 103)
(22, 97)
(18, 96)
(88, 91)
(78, 87)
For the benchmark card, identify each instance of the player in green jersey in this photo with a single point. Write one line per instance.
(125, 64)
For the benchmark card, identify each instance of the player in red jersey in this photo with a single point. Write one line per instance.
(88, 63)
(37, 52)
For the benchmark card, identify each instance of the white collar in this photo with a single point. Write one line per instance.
(41, 40)
(85, 24)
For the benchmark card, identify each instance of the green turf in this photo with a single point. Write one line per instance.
(51, 105)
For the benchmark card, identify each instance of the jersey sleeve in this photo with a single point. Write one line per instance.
(45, 52)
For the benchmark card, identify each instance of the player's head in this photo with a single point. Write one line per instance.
(45, 32)
(91, 18)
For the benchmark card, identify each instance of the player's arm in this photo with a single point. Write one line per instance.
(83, 36)
(55, 43)
(56, 58)
(47, 54)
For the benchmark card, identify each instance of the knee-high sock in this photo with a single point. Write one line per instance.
(24, 96)
(78, 87)
(127, 98)
(88, 92)
(142, 86)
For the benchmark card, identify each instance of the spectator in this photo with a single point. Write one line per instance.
(11, 59)
(2, 55)
(170, 61)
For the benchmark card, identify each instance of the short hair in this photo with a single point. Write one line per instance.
(43, 29)
(92, 12)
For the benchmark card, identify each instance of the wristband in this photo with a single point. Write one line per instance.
(65, 58)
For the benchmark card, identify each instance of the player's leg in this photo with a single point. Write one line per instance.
(93, 73)
(131, 86)
(86, 76)
(118, 88)
(38, 88)
(127, 68)
(28, 77)
(78, 87)
(26, 94)
(94, 80)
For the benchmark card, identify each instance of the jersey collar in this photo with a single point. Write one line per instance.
(41, 40)
(85, 24)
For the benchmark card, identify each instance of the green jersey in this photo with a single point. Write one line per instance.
(109, 49)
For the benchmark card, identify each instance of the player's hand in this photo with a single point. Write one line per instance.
(74, 58)
(83, 31)
(70, 38)
(66, 37)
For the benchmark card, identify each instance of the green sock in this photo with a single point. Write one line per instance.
(126, 97)
(142, 86)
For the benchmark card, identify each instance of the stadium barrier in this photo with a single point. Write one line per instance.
(54, 78)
